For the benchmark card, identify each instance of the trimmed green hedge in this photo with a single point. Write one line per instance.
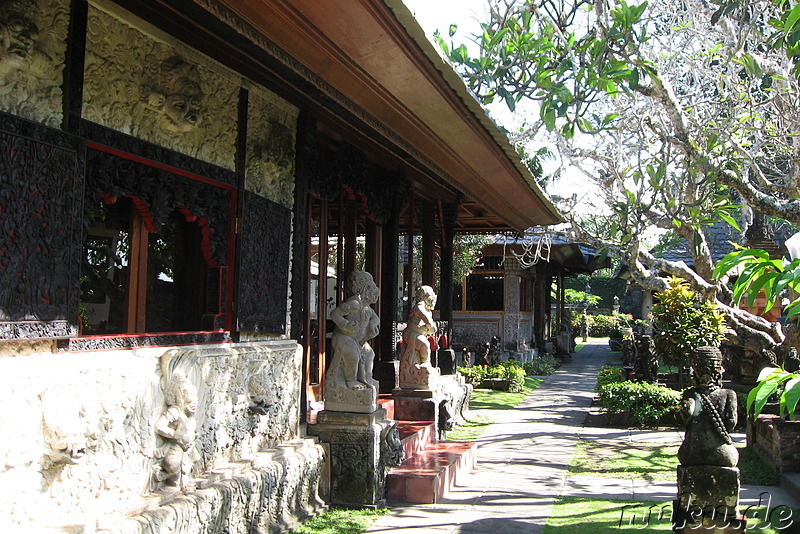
(644, 403)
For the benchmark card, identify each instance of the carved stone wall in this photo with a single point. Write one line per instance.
(475, 328)
(271, 131)
(71, 459)
(150, 86)
(30, 86)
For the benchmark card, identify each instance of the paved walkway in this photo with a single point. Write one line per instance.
(522, 461)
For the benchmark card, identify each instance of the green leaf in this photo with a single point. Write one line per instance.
(760, 394)
(633, 79)
(730, 220)
(791, 395)
(755, 287)
(453, 29)
(791, 19)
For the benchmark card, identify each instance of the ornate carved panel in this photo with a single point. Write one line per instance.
(272, 124)
(329, 169)
(41, 183)
(162, 192)
(159, 90)
(264, 265)
(32, 55)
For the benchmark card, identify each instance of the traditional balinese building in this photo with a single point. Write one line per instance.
(185, 187)
(516, 293)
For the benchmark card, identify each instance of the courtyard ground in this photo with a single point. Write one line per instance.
(523, 461)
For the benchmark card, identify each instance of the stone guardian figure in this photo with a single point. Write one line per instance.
(416, 371)
(177, 427)
(708, 479)
(349, 386)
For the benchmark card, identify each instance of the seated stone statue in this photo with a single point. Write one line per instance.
(416, 371)
(710, 414)
(349, 386)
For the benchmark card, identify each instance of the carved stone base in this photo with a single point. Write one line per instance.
(708, 485)
(361, 448)
(414, 376)
(342, 399)
(708, 500)
(416, 404)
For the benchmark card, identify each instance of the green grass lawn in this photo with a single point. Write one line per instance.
(488, 399)
(341, 521)
(623, 459)
(576, 515)
(652, 461)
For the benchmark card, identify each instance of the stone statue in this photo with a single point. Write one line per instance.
(177, 426)
(708, 479)
(177, 99)
(710, 414)
(416, 371)
(349, 386)
(18, 34)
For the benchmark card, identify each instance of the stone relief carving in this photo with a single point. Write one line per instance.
(157, 91)
(349, 386)
(32, 48)
(271, 125)
(177, 425)
(416, 370)
(177, 98)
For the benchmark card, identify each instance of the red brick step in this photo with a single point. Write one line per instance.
(431, 473)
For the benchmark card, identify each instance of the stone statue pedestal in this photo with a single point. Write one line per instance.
(359, 455)
(341, 399)
(417, 404)
(708, 500)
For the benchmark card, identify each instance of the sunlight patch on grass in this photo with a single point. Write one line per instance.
(341, 521)
(470, 430)
(488, 399)
(622, 459)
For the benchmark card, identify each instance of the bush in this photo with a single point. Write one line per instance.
(510, 370)
(474, 375)
(607, 375)
(683, 321)
(609, 325)
(645, 403)
(544, 366)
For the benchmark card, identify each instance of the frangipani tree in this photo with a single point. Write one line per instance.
(681, 112)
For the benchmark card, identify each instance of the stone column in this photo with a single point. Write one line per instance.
(513, 272)
(386, 367)
(447, 357)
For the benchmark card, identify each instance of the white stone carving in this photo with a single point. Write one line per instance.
(416, 371)
(271, 130)
(158, 90)
(177, 425)
(349, 386)
(32, 48)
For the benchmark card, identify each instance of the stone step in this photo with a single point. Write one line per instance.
(386, 401)
(430, 474)
(416, 436)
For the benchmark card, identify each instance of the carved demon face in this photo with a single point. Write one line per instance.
(178, 98)
(18, 30)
